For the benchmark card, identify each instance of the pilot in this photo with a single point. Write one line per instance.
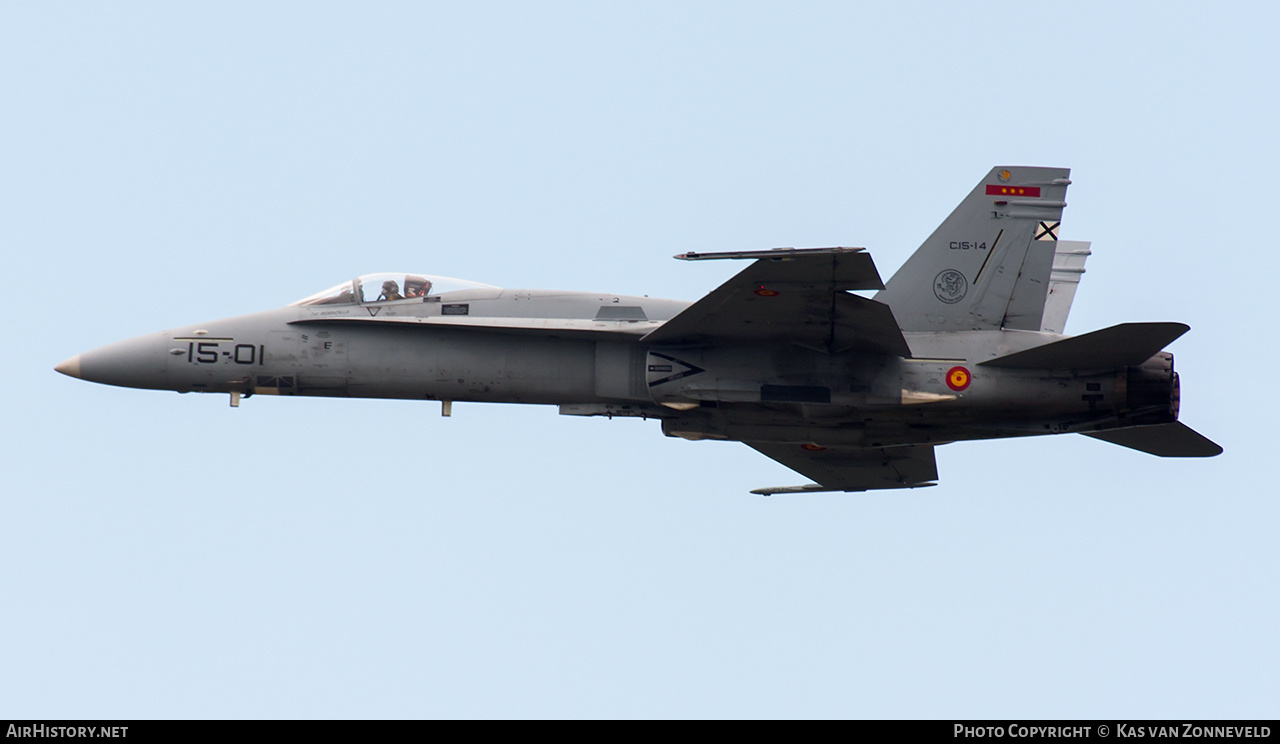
(390, 291)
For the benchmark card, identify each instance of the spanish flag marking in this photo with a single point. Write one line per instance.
(998, 190)
(958, 378)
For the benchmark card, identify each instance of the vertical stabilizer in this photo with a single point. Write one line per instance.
(1068, 268)
(988, 265)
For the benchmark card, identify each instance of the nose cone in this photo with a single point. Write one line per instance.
(138, 362)
(70, 368)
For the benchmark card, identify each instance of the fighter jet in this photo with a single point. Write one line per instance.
(854, 392)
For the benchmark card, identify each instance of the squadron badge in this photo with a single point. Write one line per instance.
(950, 286)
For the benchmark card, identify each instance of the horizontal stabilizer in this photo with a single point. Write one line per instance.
(1163, 440)
(1124, 345)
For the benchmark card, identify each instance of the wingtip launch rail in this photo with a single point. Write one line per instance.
(775, 254)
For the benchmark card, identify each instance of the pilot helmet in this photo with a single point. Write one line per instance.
(390, 286)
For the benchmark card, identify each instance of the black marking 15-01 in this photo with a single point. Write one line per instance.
(208, 350)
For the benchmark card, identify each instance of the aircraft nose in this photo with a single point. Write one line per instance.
(137, 362)
(70, 368)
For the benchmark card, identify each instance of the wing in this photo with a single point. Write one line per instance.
(852, 468)
(792, 296)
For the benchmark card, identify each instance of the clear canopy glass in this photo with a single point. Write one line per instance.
(389, 287)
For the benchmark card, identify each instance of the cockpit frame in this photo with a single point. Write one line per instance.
(381, 288)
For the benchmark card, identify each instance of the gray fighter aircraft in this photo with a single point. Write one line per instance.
(853, 392)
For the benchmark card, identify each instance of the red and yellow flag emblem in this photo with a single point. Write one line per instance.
(997, 190)
(958, 378)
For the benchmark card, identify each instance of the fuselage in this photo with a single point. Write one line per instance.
(852, 391)
(586, 353)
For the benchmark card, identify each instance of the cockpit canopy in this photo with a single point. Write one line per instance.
(391, 287)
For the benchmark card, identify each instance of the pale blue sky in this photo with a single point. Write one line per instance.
(168, 556)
